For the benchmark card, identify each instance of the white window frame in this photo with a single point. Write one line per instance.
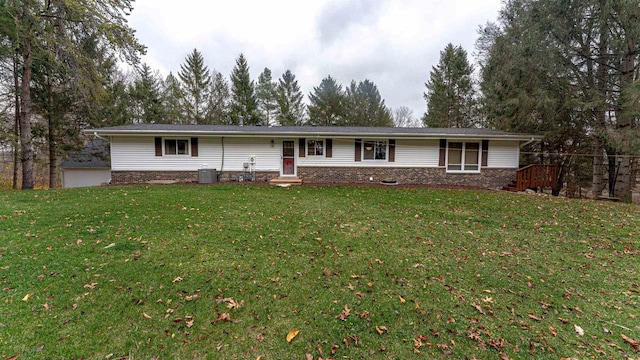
(322, 141)
(463, 157)
(375, 143)
(164, 146)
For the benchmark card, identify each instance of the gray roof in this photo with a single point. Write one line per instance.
(95, 154)
(338, 131)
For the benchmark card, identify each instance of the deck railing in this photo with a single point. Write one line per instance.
(536, 176)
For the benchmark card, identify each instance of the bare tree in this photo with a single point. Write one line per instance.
(403, 117)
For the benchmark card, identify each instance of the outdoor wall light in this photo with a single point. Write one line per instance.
(272, 143)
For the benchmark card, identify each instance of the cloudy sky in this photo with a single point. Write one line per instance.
(393, 43)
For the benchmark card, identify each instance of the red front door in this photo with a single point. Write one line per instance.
(288, 157)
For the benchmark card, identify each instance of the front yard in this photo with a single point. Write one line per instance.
(229, 271)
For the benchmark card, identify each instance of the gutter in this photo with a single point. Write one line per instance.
(417, 136)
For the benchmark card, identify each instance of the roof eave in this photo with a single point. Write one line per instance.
(108, 132)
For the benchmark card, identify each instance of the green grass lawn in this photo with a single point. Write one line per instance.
(227, 271)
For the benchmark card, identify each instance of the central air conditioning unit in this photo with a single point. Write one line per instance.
(207, 176)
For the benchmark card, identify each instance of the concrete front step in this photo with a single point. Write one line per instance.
(286, 181)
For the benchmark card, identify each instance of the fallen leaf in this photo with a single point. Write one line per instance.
(402, 300)
(146, 316)
(222, 317)
(26, 297)
(292, 334)
(334, 349)
(579, 330)
(308, 357)
(553, 330)
(355, 340)
(634, 343)
(177, 279)
(531, 316)
(381, 329)
(477, 307)
(235, 305)
(351, 287)
(192, 297)
(14, 357)
(188, 320)
(344, 313)
(90, 286)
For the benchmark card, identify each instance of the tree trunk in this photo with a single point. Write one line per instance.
(53, 168)
(26, 145)
(625, 123)
(16, 124)
(597, 182)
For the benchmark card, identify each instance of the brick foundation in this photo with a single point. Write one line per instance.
(487, 178)
(142, 177)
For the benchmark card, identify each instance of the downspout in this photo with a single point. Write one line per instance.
(95, 133)
(528, 142)
(222, 160)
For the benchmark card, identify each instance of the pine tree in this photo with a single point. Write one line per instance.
(196, 82)
(290, 110)
(219, 101)
(266, 97)
(327, 104)
(172, 99)
(51, 31)
(450, 91)
(244, 106)
(147, 96)
(365, 106)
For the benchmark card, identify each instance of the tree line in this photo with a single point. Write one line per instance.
(199, 95)
(568, 70)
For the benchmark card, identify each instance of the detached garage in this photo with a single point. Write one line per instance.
(89, 167)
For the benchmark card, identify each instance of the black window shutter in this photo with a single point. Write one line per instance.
(194, 146)
(329, 148)
(358, 150)
(485, 152)
(392, 150)
(443, 152)
(158, 146)
(302, 147)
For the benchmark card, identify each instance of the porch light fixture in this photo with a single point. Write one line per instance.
(368, 147)
(272, 143)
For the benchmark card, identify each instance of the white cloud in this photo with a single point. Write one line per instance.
(393, 43)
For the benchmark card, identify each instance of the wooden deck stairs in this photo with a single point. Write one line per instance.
(535, 176)
(285, 181)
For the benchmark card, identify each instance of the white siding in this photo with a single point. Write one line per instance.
(409, 153)
(503, 154)
(138, 154)
(238, 150)
(417, 153)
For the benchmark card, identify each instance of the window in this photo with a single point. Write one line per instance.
(315, 147)
(176, 147)
(463, 156)
(374, 150)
